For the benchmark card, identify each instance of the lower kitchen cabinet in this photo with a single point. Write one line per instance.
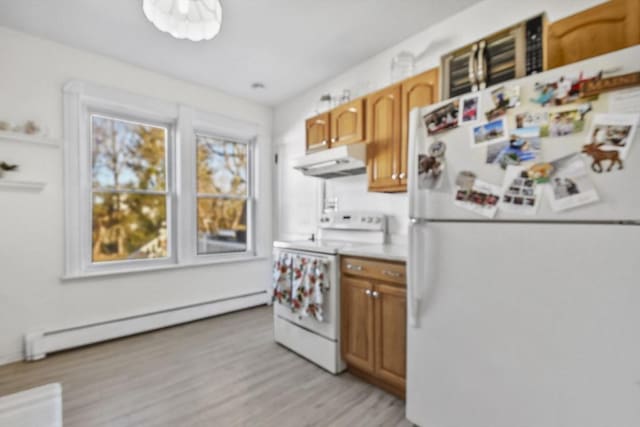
(357, 324)
(373, 321)
(390, 333)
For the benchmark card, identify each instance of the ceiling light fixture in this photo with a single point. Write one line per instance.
(185, 19)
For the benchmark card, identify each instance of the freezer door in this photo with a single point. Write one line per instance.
(619, 198)
(533, 325)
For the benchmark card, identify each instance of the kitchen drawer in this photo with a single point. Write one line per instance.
(392, 272)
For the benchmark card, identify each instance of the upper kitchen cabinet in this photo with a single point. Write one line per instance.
(383, 134)
(418, 91)
(347, 123)
(318, 132)
(604, 28)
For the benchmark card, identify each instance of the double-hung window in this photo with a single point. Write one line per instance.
(151, 184)
(130, 199)
(223, 194)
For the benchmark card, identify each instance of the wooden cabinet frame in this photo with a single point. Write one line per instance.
(373, 321)
(609, 26)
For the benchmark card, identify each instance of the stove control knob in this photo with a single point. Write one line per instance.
(363, 219)
(369, 219)
(378, 220)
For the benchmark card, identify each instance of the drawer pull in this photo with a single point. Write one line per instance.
(393, 274)
(354, 267)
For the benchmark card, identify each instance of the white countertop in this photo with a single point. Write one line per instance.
(389, 252)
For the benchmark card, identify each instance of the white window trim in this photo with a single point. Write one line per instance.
(81, 99)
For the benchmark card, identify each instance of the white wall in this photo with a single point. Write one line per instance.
(32, 73)
(469, 25)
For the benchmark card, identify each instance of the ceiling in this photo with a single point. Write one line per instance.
(289, 45)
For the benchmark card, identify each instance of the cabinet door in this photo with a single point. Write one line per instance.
(383, 133)
(357, 323)
(347, 123)
(604, 28)
(418, 91)
(390, 310)
(318, 132)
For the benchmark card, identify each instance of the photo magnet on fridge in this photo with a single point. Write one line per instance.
(482, 198)
(489, 133)
(568, 121)
(540, 172)
(520, 192)
(431, 167)
(609, 140)
(442, 118)
(564, 90)
(524, 145)
(465, 180)
(538, 119)
(503, 99)
(569, 184)
(470, 105)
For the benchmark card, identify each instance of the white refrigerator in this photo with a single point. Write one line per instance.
(525, 320)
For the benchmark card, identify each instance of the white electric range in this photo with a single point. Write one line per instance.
(319, 341)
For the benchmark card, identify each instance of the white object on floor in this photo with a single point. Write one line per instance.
(36, 407)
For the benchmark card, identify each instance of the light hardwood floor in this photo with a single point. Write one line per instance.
(224, 371)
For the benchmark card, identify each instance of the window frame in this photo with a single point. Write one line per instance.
(81, 100)
(169, 192)
(249, 198)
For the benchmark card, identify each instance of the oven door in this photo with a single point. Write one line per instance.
(330, 304)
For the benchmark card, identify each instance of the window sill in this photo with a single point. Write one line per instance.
(151, 269)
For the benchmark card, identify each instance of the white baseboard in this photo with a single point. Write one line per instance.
(38, 343)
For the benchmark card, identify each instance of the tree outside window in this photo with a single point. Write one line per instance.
(222, 195)
(129, 190)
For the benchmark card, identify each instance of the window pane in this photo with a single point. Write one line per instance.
(129, 226)
(222, 166)
(127, 155)
(222, 225)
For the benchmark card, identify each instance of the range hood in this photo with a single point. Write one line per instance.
(335, 162)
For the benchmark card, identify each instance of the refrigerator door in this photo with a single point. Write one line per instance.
(525, 325)
(619, 198)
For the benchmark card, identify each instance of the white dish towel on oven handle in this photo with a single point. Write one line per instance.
(299, 282)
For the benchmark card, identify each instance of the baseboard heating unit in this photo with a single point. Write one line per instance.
(38, 343)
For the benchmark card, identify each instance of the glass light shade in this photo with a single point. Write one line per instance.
(185, 19)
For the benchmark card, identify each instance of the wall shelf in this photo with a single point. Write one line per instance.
(26, 186)
(20, 138)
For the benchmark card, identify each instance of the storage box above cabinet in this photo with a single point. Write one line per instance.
(505, 55)
(610, 26)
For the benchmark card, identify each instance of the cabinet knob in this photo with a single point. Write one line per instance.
(367, 292)
(402, 175)
(375, 294)
(394, 176)
(333, 139)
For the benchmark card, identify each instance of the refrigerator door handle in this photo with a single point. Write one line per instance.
(413, 298)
